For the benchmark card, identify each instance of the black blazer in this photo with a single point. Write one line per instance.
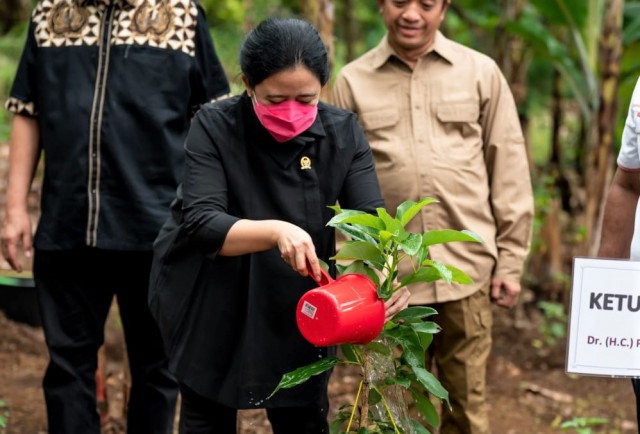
(229, 322)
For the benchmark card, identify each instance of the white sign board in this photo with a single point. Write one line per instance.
(604, 325)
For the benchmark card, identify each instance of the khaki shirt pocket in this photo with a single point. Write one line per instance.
(382, 128)
(380, 119)
(458, 121)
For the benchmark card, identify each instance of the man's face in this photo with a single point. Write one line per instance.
(412, 24)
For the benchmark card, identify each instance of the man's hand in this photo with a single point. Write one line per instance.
(16, 234)
(505, 293)
(399, 300)
(24, 152)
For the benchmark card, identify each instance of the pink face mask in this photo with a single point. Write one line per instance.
(287, 119)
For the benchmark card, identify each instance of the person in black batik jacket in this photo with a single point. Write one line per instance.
(105, 91)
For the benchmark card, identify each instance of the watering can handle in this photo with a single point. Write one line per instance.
(325, 279)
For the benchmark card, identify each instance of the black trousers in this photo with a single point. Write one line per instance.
(199, 415)
(75, 291)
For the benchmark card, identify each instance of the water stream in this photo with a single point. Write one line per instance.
(382, 367)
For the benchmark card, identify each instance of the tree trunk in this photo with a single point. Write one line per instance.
(349, 24)
(514, 59)
(556, 120)
(599, 169)
(249, 17)
(321, 14)
(12, 12)
(309, 9)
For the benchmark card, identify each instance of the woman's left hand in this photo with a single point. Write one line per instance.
(399, 300)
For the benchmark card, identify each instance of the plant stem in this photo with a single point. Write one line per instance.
(366, 387)
(393, 255)
(355, 404)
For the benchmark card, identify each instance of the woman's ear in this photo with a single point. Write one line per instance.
(245, 80)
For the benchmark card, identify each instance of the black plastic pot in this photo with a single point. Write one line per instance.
(18, 299)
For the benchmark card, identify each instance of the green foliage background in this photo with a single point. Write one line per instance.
(10, 49)
(558, 37)
(228, 20)
(473, 23)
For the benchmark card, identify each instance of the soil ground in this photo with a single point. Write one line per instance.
(529, 391)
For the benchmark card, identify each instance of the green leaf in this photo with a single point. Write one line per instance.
(431, 383)
(574, 69)
(354, 250)
(388, 285)
(341, 269)
(336, 425)
(408, 210)
(425, 340)
(300, 375)
(434, 271)
(357, 217)
(425, 331)
(447, 272)
(349, 354)
(390, 224)
(374, 396)
(631, 31)
(443, 271)
(426, 408)
(323, 265)
(397, 381)
(412, 351)
(579, 12)
(418, 428)
(427, 274)
(430, 238)
(582, 422)
(422, 254)
(414, 313)
(358, 232)
(411, 244)
(358, 267)
(425, 327)
(385, 237)
(385, 292)
(459, 276)
(342, 214)
(379, 347)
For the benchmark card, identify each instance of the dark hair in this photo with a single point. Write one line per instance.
(278, 44)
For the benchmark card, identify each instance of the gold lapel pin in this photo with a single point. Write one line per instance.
(305, 163)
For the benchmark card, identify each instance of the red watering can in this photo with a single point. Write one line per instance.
(342, 311)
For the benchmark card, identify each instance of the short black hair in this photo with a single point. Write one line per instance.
(278, 44)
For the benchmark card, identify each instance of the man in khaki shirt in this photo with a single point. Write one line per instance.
(442, 122)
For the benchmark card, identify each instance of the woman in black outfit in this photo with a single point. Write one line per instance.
(230, 266)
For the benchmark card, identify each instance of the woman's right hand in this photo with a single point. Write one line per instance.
(295, 244)
(297, 249)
